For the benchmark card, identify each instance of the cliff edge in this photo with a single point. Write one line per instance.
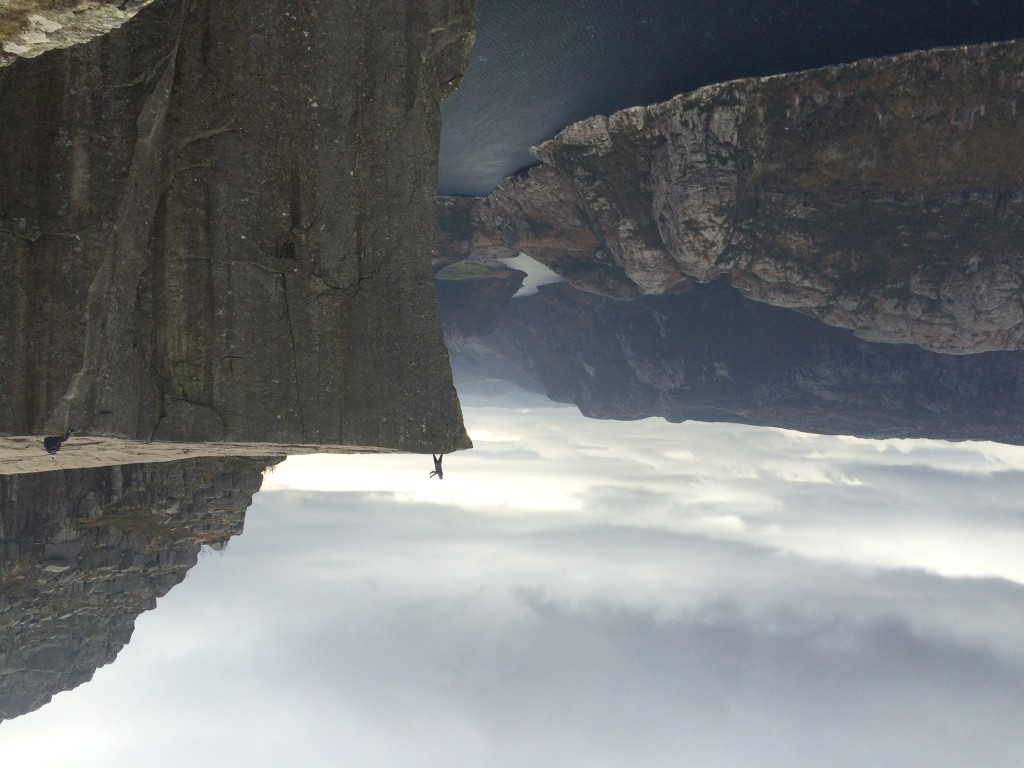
(217, 221)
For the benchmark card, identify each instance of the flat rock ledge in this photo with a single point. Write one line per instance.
(21, 454)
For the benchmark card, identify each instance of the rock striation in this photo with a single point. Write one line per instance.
(706, 353)
(216, 224)
(884, 196)
(83, 552)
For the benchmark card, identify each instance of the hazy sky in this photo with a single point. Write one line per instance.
(585, 593)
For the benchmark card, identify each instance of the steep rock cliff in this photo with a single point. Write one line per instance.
(83, 552)
(216, 224)
(885, 196)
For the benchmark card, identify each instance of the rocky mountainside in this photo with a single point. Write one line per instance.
(83, 552)
(709, 354)
(884, 196)
(216, 224)
(31, 27)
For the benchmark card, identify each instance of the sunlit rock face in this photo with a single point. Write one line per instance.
(83, 552)
(709, 354)
(216, 223)
(885, 196)
(31, 27)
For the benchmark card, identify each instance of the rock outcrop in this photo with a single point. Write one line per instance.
(216, 224)
(30, 27)
(884, 196)
(84, 552)
(709, 354)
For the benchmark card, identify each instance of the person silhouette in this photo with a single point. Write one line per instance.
(53, 443)
(437, 467)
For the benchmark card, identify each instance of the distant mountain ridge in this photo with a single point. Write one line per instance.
(884, 196)
(883, 201)
(709, 354)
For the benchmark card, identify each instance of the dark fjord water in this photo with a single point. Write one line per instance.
(539, 65)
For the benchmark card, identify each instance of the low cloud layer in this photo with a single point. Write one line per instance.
(585, 593)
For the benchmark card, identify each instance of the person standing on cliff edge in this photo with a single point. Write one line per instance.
(437, 467)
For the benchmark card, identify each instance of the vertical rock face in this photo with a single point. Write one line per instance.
(885, 196)
(83, 552)
(217, 224)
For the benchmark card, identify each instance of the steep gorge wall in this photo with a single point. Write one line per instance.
(217, 223)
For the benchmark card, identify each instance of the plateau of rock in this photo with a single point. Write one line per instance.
(84, 552)
(217, 221)
(884, 196)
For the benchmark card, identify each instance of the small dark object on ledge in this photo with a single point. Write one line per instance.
(53, 443)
